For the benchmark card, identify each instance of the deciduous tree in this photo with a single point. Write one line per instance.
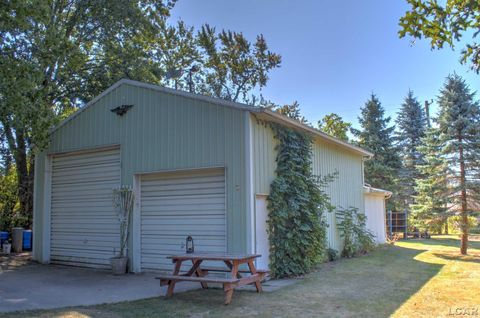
(445, 23)
(56, 55)
(233, 65)
(334, 125)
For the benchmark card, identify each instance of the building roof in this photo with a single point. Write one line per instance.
(367, 189)
(265, 112)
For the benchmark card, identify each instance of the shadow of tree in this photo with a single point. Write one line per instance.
(474, 258)
(446, 241)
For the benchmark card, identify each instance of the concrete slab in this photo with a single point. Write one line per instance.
(35, 286)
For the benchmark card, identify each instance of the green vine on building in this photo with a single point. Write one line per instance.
(297, 204)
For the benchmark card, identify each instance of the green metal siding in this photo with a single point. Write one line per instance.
(161, 132)
(345, 191)
(264, 155)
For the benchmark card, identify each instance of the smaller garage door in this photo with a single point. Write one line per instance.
(176, 205)
(84, 225)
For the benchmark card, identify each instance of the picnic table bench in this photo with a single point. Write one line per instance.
(232, 261)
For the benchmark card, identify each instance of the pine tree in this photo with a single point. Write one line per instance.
(382, 170)
(411, 125)
(459, 132)
(429, 211)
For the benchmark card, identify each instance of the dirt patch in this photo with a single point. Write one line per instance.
(12, 261)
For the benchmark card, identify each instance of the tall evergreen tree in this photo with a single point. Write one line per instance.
(382, 170)
(459, 132)
(411, 125)
(429, 211)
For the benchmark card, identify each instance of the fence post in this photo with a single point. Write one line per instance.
(406, 222)
(390, 223)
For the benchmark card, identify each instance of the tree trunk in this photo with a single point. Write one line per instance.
(464, 222)
(446, 226)
(18, 147)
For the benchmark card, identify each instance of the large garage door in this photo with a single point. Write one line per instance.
(176, 205)
(84, 226)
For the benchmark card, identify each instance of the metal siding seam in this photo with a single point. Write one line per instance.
(250, 215)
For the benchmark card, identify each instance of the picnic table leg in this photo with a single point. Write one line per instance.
(171, 284)
(198, 271)
(228, 287)
(253, 271)
(229, 265)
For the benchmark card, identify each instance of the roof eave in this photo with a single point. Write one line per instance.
(314, 131)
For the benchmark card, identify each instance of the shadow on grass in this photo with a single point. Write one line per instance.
(458, 257)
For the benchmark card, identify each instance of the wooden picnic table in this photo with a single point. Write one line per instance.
(235, 275)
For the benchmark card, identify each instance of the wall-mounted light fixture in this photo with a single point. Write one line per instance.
(121, 110)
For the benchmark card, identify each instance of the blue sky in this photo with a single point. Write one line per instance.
(334, 53)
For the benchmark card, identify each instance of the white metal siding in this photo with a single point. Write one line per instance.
(375, 212)
(84, 226)
(176, 205)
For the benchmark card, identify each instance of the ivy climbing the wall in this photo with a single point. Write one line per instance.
(297, 204)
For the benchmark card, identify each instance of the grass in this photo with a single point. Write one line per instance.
(414, 278)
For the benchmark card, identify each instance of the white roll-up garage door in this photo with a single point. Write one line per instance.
(176, 205)
(84, 226)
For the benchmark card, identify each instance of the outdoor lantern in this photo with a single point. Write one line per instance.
(189, 245)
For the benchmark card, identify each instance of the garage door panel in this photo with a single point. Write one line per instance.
(187, 183)
(176, 199)
(103, 239)
(186, 209)
(92, 248)
(84, 226)
(101, 184)
(97, 263)
(185, 177)
(93, 253)
(86, 243)
(154, 242)
(102, 169)
(85, 179)
(182, 221)
(175, 206)
(101, 225)
(85, 216)
(191, 232)
(75, 205)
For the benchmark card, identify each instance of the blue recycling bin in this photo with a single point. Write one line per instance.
(27, 240)
(3, 237)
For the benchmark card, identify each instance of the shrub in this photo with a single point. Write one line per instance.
(9, 214)
(455, 221)
(332, 254)
(356, 237)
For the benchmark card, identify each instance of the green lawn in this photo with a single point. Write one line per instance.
(412, 279)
